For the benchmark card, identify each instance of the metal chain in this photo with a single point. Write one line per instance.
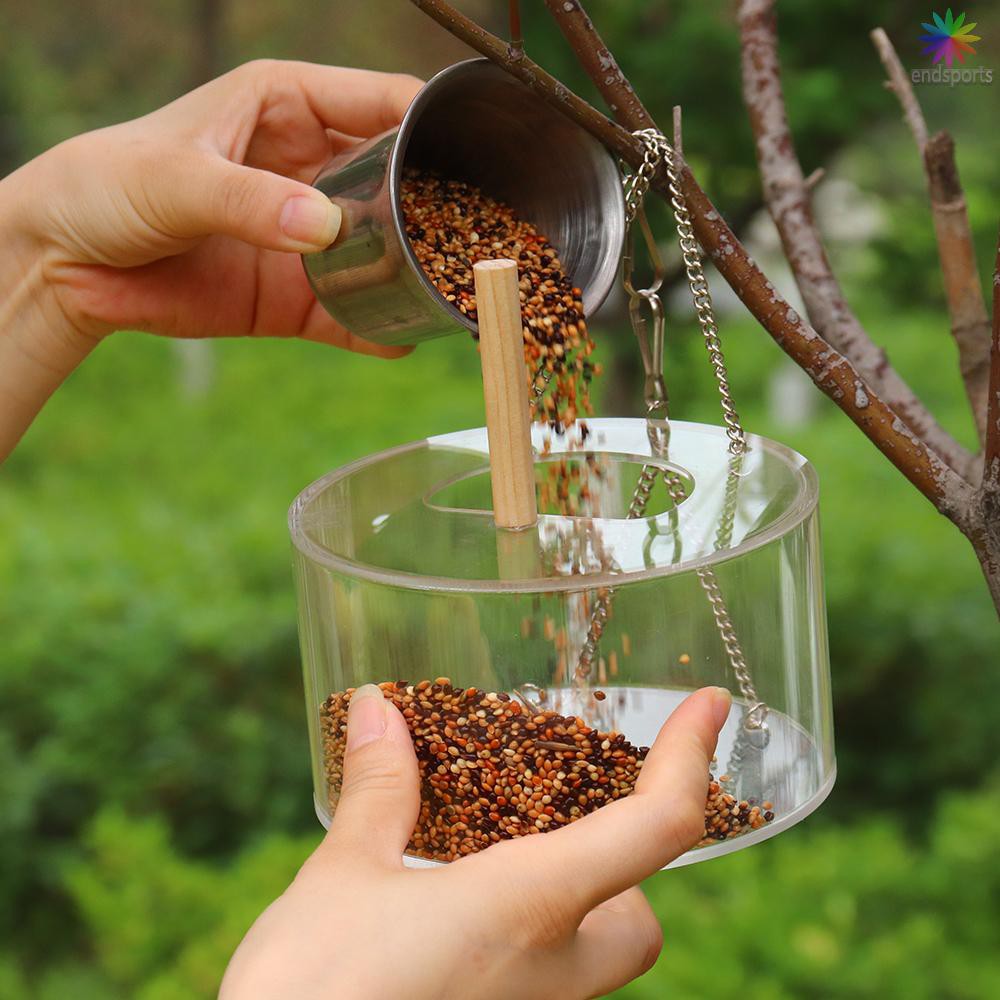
(756, 711)
(658, 150)
(602, 611)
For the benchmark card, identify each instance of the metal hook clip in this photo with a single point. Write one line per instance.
(650, 344)
(652, 251)
(650, 349)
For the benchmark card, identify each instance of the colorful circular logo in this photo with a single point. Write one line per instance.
(949, 38)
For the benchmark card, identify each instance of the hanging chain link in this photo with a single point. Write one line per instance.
(658, 150)
(636, 184)
(756, 710)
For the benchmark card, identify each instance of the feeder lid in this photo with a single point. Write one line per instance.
(419, 516)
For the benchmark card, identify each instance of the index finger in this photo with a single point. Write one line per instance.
(622, 843)
(358, 102)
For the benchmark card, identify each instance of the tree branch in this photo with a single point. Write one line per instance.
(788, 201)
(985, 532)
(970, 323)
(833, 373)
(600, 64)
(991, 469)
(607, 76)
(899, 84)
(533, 76)
(830, 371)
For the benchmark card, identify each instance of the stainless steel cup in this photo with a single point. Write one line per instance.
(471, 122)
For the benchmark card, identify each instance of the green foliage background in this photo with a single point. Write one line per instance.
(154, 788)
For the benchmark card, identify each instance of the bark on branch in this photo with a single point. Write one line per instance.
(985, 536)
(831, 371)
(991, 470)
(600, 64)
(970, 323)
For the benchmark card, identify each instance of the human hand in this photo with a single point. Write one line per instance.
(555, 915)
(189, 221)
(186, 222)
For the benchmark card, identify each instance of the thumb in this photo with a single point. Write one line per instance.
(256, 206)
(380, 795)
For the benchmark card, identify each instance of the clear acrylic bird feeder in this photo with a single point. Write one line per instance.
(695, 561)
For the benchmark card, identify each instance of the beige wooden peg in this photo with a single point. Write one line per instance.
(505, 391)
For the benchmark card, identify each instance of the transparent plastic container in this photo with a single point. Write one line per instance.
(404, 577)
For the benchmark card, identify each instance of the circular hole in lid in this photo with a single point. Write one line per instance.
(601, 484)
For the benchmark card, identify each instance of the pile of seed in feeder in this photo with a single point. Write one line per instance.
(492, 769)
(453, 225)
(725, 817)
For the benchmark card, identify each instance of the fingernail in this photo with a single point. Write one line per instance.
(722, 701)
(366, 717)
(313, 221)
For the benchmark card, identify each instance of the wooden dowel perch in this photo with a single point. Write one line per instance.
(505, 391)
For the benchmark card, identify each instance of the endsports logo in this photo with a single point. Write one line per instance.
(946, 39)
(949, 38)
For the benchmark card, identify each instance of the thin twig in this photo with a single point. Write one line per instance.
(678, 132)
(899, 84)
(516, 38)
(789, 204)
(828, 369)
(814, 178)
(970, 323)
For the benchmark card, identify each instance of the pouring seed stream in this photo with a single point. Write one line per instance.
(451, 226)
